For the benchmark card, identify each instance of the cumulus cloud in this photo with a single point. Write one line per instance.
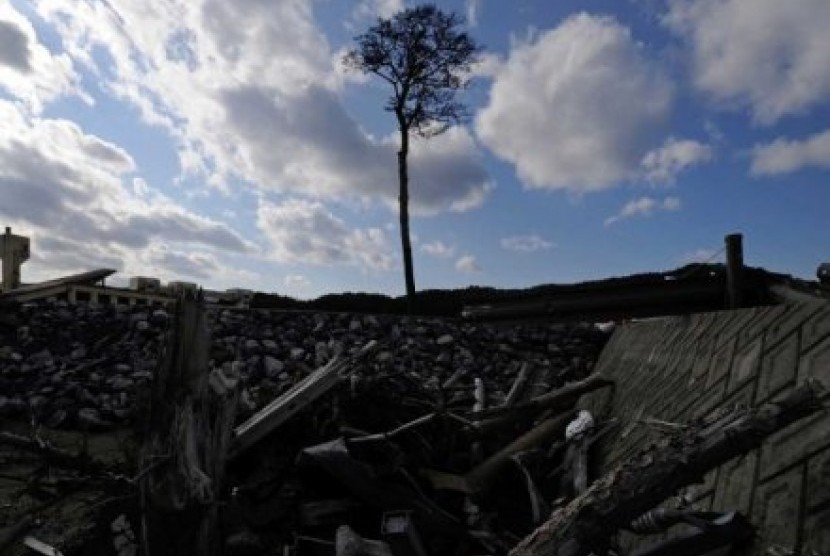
(28, 70)
(313, 147)
(662, 164)
(302, 231)
(438, 249)
(644, 207)
(51, 254)
(14, 47)
(201, 266)
(576, 107)
(253, 93)
(467, 264)
(75, 193)
(66, 188)
(526, 243)
(785, 155)
(296, 281)
(370, 9)
(770, 56)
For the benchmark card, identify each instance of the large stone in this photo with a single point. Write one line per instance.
(273, 366)
(120, 383)
(90, 419)
(445, 340)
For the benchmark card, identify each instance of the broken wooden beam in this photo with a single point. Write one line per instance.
(517, 389)
(424, 419)
(481, 477)
(554, 399)
(644, 481)
(561, 399)
(300, 396)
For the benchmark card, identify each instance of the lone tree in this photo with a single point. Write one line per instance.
(425, 57)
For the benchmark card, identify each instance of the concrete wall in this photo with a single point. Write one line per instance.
(679, 368)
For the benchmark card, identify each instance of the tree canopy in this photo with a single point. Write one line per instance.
(424, 56)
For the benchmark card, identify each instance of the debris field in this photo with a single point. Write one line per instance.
(204, 430)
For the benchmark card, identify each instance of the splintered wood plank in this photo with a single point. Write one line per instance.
(286, 406)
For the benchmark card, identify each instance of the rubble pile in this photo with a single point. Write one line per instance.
(417, 445)
(272, 351)
(81, 366)
(436, 436)
(77, 366)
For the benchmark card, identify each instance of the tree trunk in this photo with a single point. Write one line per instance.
(403, 200)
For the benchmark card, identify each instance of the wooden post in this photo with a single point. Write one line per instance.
(190, 423)
(734, 270)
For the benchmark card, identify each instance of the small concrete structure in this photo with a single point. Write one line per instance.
(145, 284)
(86, 287)
(14, 251)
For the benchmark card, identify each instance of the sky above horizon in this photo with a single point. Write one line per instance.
(223, 142)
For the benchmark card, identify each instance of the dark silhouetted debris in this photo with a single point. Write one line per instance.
(249, 432)
(587, 524)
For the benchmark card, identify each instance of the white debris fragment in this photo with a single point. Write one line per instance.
(583, 423)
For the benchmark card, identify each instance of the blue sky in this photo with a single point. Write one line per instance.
(223, 143)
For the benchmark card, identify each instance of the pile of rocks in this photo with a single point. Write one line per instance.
(77, 365)
(273, 350)
(84, 366)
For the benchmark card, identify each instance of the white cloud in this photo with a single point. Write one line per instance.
(784, 155)
(467, 264)
(68, 190)
(697, 256)
(472, 7)
(526, 243)
(438, 249)
(644, 207)
(252, 92)
(662, 165)
(302, 231)
(296, 281)
(576, 107)
(200, 266)
(772, 56)
(28, 70)
(487, 65)
(370, 9)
